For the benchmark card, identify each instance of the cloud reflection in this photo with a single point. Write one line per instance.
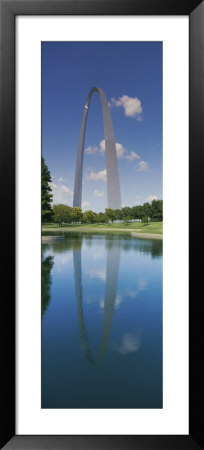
(97, 273)
(130, 343)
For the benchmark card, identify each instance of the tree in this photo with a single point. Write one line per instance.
(127, 213)
(157, 210)
(89, 216)
(46, 192)
(110, 214)
(61, 213)
(137, 212)
(118, 214)
(101, 218)
(76, 214)
(147, 209)
(145, 219)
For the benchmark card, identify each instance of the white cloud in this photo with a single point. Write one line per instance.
(61, 179)
(151, 197)
(84, 204)
(96, 176)
(132, 155)
(142, 166)
(102, 146)
(61, 193)
(122, 152)
(95, 149)
(91, 150)
(98, 193)
(132, 105)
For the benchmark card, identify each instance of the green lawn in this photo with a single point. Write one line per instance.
(152, 227)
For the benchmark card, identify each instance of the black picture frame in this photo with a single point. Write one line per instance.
(9, 9)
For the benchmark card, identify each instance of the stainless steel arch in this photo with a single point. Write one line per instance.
(113, 183)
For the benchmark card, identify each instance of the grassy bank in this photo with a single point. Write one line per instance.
(152, 228)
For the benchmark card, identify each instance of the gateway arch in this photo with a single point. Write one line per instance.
(113, 183)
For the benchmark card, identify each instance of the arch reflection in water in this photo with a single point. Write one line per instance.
(112, 269)
(123, 276)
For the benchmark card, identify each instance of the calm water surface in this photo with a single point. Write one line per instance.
(102, 322)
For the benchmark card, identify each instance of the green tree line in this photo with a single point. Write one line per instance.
(145, 213)
(62, 213)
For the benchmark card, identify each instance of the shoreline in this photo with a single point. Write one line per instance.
(132, 231)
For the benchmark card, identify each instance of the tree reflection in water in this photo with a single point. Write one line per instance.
(46, 281)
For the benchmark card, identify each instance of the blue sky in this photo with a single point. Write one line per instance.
(130, 73)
